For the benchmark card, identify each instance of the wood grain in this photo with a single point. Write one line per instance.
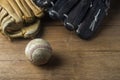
(73, 58)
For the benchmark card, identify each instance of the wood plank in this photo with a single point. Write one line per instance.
(73, 58)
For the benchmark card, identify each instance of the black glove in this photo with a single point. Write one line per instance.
(81, 16)
(86, 17)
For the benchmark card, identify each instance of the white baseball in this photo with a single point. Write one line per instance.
(38, 51)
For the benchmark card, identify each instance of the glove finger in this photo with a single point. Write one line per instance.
(6, 22)
(25, 9)
(58, 4)
(77, 14)
(38, 12)
(6, 5)
(15, 7)
(90, 24)
(3, 14)
(63, 8)
(46, 4)
(53, 11)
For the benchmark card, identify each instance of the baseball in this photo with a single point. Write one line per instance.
(38, 51)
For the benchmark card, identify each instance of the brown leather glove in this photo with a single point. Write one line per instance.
(19, 18)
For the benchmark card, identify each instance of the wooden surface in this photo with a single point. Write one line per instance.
(73, 58)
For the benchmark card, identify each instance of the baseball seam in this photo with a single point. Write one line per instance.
(40, 47)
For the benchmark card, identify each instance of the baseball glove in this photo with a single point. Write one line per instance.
(86, 16)
(19, 18)
(81, 16)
